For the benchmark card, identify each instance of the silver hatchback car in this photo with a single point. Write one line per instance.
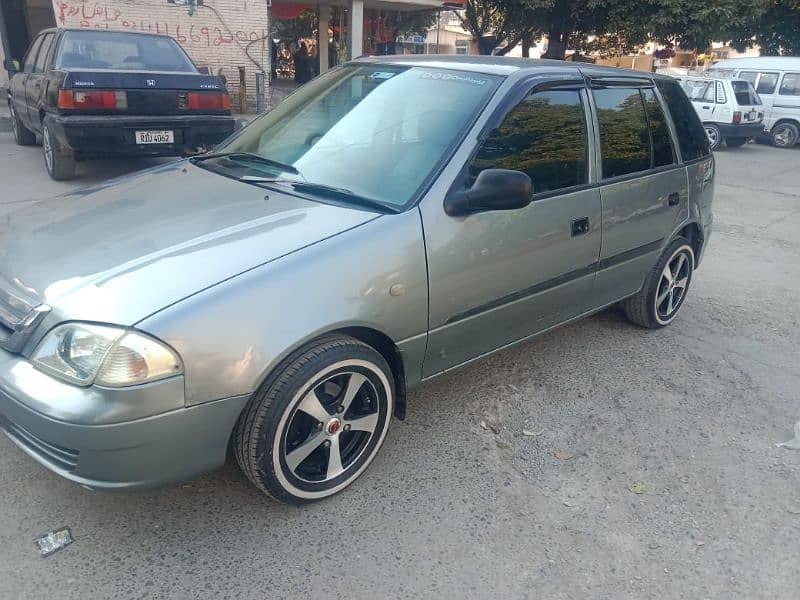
(392, 220)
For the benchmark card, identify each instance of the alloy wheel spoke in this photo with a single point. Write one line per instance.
(670, 305)
(334, 459)
(367, 423)
(679, 265)
(353, 385)
(312, 406)
(299, 454)
(681, 283)
(667, 274)
(662, 297)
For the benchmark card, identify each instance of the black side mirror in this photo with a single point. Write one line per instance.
(494, 189)
(11, 65)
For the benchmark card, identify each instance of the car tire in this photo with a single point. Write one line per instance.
(735, 142)
(714, 135)
(317, 423)
(656, 304)
(785, 135)
(22, 135)
(59, 162)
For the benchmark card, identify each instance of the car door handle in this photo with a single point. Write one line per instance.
(580, 226)
(706, 107)
(674, 199)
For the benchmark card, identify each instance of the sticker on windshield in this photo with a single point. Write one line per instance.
(457, 77)
(382, 75)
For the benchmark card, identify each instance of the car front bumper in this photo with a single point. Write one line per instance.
(104, 135)
(87, 435)
(741, 130)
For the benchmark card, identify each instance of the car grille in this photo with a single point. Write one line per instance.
(64, 458)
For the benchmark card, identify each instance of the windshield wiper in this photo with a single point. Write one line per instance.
(341, 194)
(249, 156)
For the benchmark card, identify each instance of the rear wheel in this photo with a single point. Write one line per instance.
(735, 142)
(714, 135)
(60, 162)
(22, 135)
(665, 289)
(785, 135)
(315, 426)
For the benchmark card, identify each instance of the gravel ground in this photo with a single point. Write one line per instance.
(598, 461)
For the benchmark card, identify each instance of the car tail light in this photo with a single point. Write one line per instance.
(737, 117)
(208, 101)
(80, 99)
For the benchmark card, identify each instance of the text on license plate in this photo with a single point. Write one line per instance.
(155, 137)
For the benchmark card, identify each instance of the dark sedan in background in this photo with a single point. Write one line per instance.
(90, 93)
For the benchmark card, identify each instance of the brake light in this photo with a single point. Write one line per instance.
(88, 99)
(208, 101)
(737, 117)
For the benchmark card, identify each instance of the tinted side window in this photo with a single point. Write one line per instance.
(790, 86)
(659, 132)
(767, 83)
(692, 138)
(545, 137)
(39, 66)
(624, 134)
(30, 57)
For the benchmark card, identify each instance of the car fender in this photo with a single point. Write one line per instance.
(232, 336)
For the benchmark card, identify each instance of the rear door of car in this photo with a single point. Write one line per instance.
(18, 95)
(766, 84)
(644, 190)
(36, 81)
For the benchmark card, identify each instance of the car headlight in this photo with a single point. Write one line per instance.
(83, 353)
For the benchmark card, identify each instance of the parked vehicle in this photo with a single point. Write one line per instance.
(777, 81)
(730, 109)
(390, 221)
(95, 93)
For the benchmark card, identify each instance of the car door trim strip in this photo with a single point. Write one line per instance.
(558, 280)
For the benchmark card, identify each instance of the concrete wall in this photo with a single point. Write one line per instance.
(222, 34)
(3, 72)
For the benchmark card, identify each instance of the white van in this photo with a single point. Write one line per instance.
(777, 81)
(730, 109)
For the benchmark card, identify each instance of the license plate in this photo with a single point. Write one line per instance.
(155, 137)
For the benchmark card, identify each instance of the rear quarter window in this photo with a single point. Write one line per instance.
(692, 139)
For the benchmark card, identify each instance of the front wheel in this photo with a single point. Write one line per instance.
(318, 422)
(658, 302)
(60, 162)
(785, 135)
(714, 135)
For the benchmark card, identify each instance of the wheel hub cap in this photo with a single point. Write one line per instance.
(333, 427)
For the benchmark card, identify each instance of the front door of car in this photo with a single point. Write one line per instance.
(644, 190)
(499, 276)
(35, 82)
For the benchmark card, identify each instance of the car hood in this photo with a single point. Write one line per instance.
(122, 250)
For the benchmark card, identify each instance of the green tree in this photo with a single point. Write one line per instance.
(775, 28)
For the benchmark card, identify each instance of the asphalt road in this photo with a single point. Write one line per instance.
(648, 470)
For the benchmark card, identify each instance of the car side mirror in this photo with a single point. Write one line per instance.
(494, 189)
(11, 65)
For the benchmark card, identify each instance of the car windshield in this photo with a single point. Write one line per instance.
(374, 130)
(745, 93)
(121, 51)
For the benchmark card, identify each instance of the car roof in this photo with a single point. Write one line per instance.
(759, 62)
(504, 65)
